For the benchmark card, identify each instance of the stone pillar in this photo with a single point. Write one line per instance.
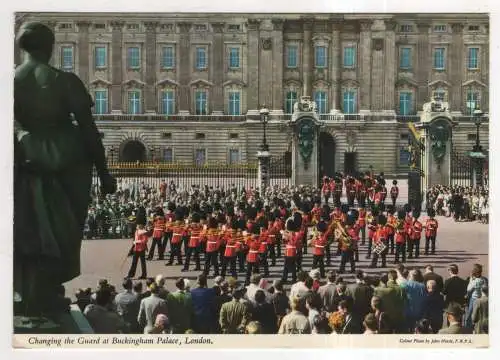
(217, 69)
(455, 60)
(423, 64)
(151, 102)
(390, 66)
(336, 54)
(117, 66)
(266, 64)
(52, 26)
(378, 70)
(277, 35)
(307, 58)
(365, 65)
(305, 166)
(185, 68)
(83, 51)
(253, 101)
(264, 157)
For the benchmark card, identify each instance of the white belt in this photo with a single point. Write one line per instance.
(254, 251)
(271, 235)
(211, 242)
(320, 246)
(157, 229)
(263, 243)
(290, 247)
(174, 234)
(230, 246)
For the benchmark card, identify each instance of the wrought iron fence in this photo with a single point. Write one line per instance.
(461, 169)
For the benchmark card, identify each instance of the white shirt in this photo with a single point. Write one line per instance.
(298, 289)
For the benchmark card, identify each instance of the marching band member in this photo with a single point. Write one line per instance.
(178, 233)
(431, 227)
(242, 252)
(372, 227)
(338, 190)
(353, 232)
(346, 245)
(318, 244)
(299, 239)
(415, 233)
(169, 222)
(212, 236)
(158, 231)
(316, 214)
(274, 236)
(400, 237)
(139, 249)
(193, 248)
(230, 252)
(263, 247)
(391, 228)
(290, 242)
(394, 192)
(326, 189)
(361, 222)
(253, 244)
(350, 191)
(380, 242)
(383, 193)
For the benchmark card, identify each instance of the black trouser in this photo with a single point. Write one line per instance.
(185, 241)
(356, 254)
(155, 242)
(338, 195)
(222, 250)
(400, 251)
(133, 267)
(413, 245)
(362, 201)
(175, 250)
(345, 257)
(328, 253)
(390, 238)
(195, 252)
(166, 239)
(298, 261)
(370, 245)
(430, 241)
(252, 268)
(212, 258)
(327, 197)
(382, 255)
(362, 230)
(319, 261)
(394, 201)
(272, 254)
(232, 266)
(290, 266)
(264, 263)
(350, 200)
(241, 260)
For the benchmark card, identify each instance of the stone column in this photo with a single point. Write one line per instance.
(365, 55)
(266, 64)
(277, 35)
(83, 51)
(185, 68)
(217, 67)
(117, 66)
(378, 70)
(151, 102)
(455, 60)
(423, 65)
(390, 66)
(52, 26)
(336, 54)
(253, 101)
(307, 58)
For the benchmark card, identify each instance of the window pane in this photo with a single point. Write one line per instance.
(292, 51)
(404, 157)
(134, 58)
(439, 60)
(320, 99)
(405, 60)
(472, 58)
(201, 106)
(320, 56)
(349, 56)
(234, 156)
(100, 56)
(134, 102)
(290, 100)
(234, 103)
(67, 58)
(349, 102)
(405, 103)
(200, 157)
(168, 58)
(201, 62)
(234, 58)
(168, 102)
(101, 102)
(168, 155)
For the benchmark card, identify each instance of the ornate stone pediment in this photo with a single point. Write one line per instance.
(167, 82)
(439, 83)
(98, 82)
(201, 83)
(402, 81)
(134, 83)
(474, 82)
(234, 82)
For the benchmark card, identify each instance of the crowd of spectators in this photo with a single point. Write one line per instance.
(402, 301)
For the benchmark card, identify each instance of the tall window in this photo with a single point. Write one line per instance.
(472, 101)
(168, 57)
(168, 155)
(134, 102)
(168, 102)
(133, 57)
(320, 97)
(291, 56)
(234, 156)
(320, 59)
(405, 58)
(201, 58)
(67, 60)
(200, 157)
(101, 101)
(349, 58)
(201, 105)
(290, 100)
(405, 103)
(234, 103)
(349, 102)
(100, 56)
(439, 58)
(234, 58)
(472, 59)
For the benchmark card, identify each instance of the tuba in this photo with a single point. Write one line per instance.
(342, 236)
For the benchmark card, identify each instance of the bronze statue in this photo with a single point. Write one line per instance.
(56, 145)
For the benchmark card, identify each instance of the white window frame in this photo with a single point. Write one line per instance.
(129, 58)
(136, 102)
(231, 103)
(105, 100)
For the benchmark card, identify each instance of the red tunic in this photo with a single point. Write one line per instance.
(394, 192)
(141, 240)
(178, 232)
(319, 244)
(291, 245)
(431, 226)
(213, 241)
(253, 251)
(231, 246)
(195, 235)
(159, 227)
(416, 231)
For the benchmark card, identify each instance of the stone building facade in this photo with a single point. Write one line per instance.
(188, 87)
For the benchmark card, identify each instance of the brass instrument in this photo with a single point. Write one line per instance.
(341, 234)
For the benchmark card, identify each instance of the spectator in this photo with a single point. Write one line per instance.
(204, 305)
(341, 293)
(454, 316)
(415, 292)
(423, 327)
(370, 324)
(180, 308)
(295, 322)
(253, 328)
(433, 306)
(161, 325)
(263, 312)
(253, 287)
(83, 298)
(313, 305)
(384, 325)
(480, 312)
(150, 308)
(138, 291)
(127, 305)
(476, 283)
(101, 318)
(315, 275)
(327, 292)
(280, 302)
(299, 289)
(160, 282)
(455, 288)
(352, 323)
(431, 275)
(361, 293)
(234, 315)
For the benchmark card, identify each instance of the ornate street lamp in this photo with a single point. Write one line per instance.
(111, 153)
(152, 152)
(478, 114)
(477, 155)
(264, 119)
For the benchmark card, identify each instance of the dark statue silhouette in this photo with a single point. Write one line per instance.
(56, 145)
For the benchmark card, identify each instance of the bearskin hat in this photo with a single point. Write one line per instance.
(221, 218)
(291, 225)
(235, 224)
(297, 218)
(322, 226)
(381, 220)
(407, 208)
(401, 214)
(415, 213)
(390, 209)
(394, 182)
(381, 207)
(259, 205)
(159, 212)
(276, 214)
(195, 217)
(171, 206)
(212, 223)
(251, 213)
(354, 213)
(431, 212)
(217, 207)
(350, 220)
(263, 223)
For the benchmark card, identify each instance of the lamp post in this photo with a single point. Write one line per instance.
(111, 153)
(152, 152)
(264, 155)
(477, 155)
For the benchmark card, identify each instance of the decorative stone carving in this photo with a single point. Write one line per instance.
(253, 24)
(117, 25)
(457, 28)
(305, 105)
(351, 139)
(366, 25)
(218, 27)
(390, 25)
(308, 23)
(378, 44)
(439, 134)
(278, 24)
(151, 25)
(267, 43)
(306, 136)
(83, 24)
(184, 26)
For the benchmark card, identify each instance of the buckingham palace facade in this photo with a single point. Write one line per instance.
(188, 87)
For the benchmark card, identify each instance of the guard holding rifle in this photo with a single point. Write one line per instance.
(232, 241)
(253, 244)
(158, 231)
(290, 243)
(212, 237)
(415, 233)
(400, 237)
(431, 227)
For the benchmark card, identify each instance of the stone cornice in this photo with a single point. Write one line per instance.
(218, 27)
(151, 25)
(117, 25)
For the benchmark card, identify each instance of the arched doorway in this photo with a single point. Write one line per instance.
(326, 155)
(133, 151)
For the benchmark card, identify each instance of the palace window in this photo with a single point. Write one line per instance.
(439, 58)
(168, 57)
(200, 157)
(201, 58)
(406, 28)
(132, 26)
(472, 58)
(234, 156)
(234, 103)
(134, 57)
(67, 58)
(234, 57)
(134, 102)
(168, 102)
(440, 28)
(349, 102)
(201, 104)
(472, 101)
(320, 59)
(321, 100)
(101, 101)
(291, 56)
(405, 103)
(473, 27)
(100, 26)
(290, 100)
(100, 54)
(168, 155)
(405, 58)
(349, 58)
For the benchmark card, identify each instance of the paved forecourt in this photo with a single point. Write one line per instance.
(463, 243)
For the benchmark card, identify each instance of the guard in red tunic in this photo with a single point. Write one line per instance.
(394, 192)
(326, 190)
(415, 233)
(400, 237)
(372, 227)
(158, 231)
(431, 227)
(350, 191)
(318, 243)
(391, 227)
(380, 242)
(274, 236)
(316, 214)
(178, 233)
(264, 247)
(139, 249)
(338, 189)
(169, 222)
(289, 241)
(253, 244)
(353, 231)
(212, 235)
(193, 249)
(346, 244)
(230, 252)
(361, 223)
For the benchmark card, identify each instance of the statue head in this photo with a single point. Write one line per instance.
(37, 40)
